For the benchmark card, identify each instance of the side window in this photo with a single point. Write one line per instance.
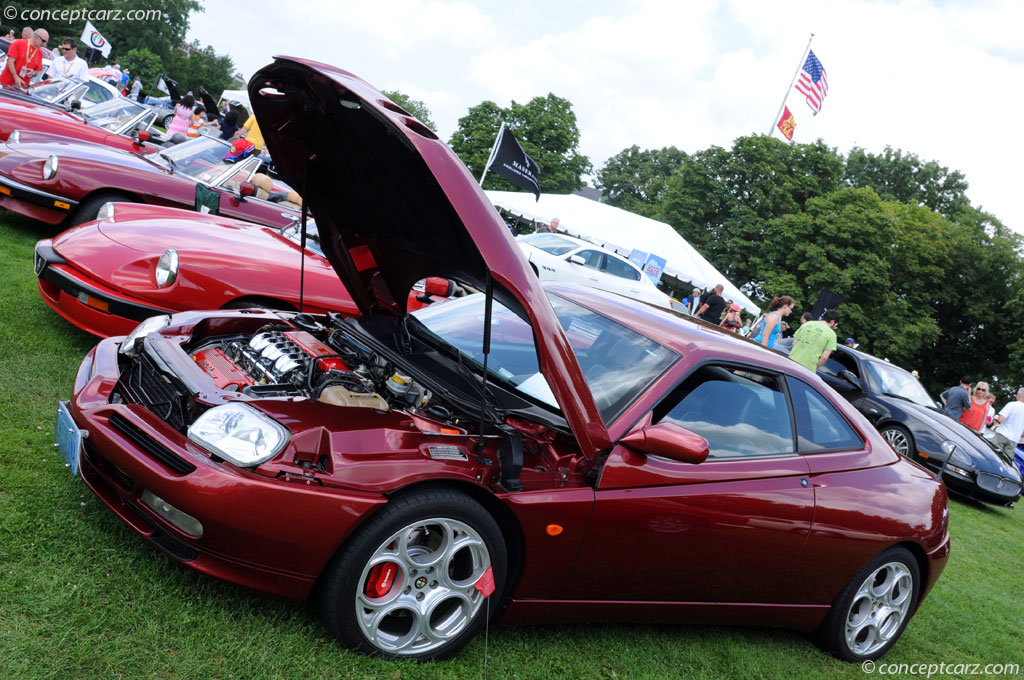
(819, 425)
(838, 362)
(97, 94)
(739, 412)
(617, 267)
(592, 258)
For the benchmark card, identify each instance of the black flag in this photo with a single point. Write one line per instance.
(826, 300)
(510, 161)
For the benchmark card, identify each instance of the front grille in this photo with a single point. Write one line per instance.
(142, 383)
(998, 485)
(152, 447)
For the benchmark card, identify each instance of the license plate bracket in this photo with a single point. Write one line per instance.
(68, 438)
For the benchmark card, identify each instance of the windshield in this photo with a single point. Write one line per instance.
(618, 363)
(113, 114)
(550, 243)
(890, 379)
(201, 158)
(294, 233)
(55, 89)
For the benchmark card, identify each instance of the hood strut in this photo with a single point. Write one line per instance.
(302, 237)
(488, 300)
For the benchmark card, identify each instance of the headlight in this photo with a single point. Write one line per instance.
(239, 434)
(106, 211)
(153, 323)
(956, 456)
(50, 167)
(14, 137)
(166, 268)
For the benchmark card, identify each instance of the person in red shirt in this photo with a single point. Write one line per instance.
(974, 417)
(24, 59)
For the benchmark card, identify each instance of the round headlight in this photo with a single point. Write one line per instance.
(166, 268)
(150, 325)
(239, 434)
(956, 456)
(106, 211)
(14, 137)
(50, 167)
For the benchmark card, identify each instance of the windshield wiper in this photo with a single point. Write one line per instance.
(170, 161)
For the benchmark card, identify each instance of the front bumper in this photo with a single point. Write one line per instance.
(35, 203)
(269, 534)
(983, 486)
(86, 303)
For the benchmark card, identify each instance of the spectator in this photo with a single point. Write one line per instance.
(814, 341)
(850, 343)
(732, 321)
(10, 35)
(182, 117)
(957, 398)
(713, 304)
(974, 416)
(136, 92)
(228, 125)
(26, 33)
(548, 228)
(917, 376)
(24, 59)
(72, 66)
(692, 301)
(251, 132)
(197, 121)
(1010, 427)
(780, 307)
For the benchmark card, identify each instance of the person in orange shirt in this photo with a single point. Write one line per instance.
(974, 417)
(24, 60)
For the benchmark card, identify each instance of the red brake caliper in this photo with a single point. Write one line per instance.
(381, 578)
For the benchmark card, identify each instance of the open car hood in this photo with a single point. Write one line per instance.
(394, 205)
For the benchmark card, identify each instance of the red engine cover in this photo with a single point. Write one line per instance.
(221, 369)
(314, 347)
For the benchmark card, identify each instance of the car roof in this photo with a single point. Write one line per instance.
(580, 243)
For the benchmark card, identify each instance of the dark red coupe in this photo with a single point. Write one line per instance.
(568, 453)
(53, 181)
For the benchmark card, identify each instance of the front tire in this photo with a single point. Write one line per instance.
(872, 611)
(899, 439)
(403, 586)
(90, 207)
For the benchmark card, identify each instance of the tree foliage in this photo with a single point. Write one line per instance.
(636, 179)
(416, 107)
(545, 127)
(142, 63)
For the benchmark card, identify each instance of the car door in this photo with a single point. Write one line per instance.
(589, 272)
(628, 280)
(834, 372)
(729, 529)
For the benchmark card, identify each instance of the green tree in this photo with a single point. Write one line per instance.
(416, 107)
(545, 127)
(200, 67)
(144, 64)
(636, 179)
(903, 177)
(722, 200)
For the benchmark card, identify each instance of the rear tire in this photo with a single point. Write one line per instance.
(403, 586)
(872, 611)
(166, 122)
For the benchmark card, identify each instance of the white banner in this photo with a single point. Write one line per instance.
(92, 38)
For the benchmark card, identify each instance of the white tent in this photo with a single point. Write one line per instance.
(621, 231)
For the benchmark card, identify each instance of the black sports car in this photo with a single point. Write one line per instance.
(905, 414)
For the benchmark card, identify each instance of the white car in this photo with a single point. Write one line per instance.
(557, 257)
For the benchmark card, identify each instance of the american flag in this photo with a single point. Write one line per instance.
(813, 82)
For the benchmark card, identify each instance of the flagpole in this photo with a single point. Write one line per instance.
(799, 65)
(494, 150)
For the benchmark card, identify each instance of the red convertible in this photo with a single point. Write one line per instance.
(55, 181)
(139, 261)
(550, 453)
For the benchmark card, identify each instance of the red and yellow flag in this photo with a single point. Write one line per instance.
(787, 124)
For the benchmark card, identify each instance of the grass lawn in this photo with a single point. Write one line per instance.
(81, 596)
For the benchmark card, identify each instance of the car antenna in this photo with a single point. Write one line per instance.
(302, 233)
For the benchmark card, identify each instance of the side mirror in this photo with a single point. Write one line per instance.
(140, 137)
(577, 259)
(76, 105)
(246, 189)
(438, 285)
(668, 440)
(849, 377)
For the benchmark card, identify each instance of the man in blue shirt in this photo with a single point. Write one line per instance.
(958, 398)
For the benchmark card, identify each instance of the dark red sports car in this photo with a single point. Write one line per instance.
(565, 452)
(54, 181)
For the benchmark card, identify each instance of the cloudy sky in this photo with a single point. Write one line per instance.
(941, 79)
